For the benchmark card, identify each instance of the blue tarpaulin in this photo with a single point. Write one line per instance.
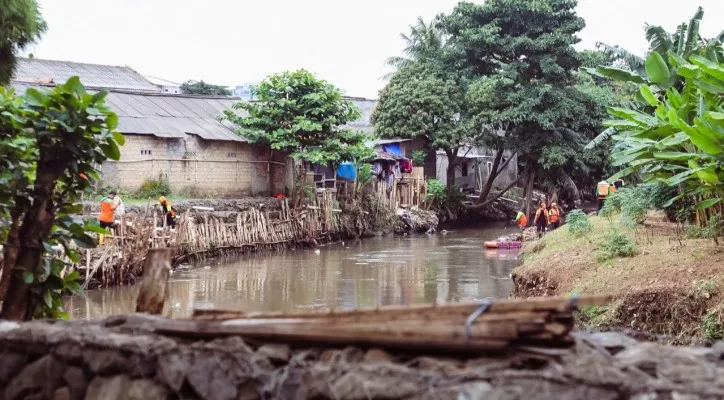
(393, 148)
(347, 171)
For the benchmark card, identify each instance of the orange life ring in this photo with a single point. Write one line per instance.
(491, 244)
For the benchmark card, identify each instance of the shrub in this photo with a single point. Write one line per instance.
(634, 202)
(152, 188)
(714, 228)
(616, 244)
(418, 158)
(436, 193)
(578, 222)
(711, 326)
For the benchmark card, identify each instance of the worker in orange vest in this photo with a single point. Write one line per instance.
(541, 218)
(521, 219)
(169, 211)
(107, 217)
(603, 189)
(554, 216)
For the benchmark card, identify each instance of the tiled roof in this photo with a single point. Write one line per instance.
(34, 71)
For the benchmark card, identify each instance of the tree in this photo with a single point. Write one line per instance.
(521, 55)
(20, 25)
(50, 141)
(304, 117)
(425, 41)
(422, 101)
(202, 88)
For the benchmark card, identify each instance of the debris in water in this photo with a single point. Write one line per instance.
(317, 252)
(207, 267)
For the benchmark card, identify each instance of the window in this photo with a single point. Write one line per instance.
(465, 169)
(189, 154)
(145, 152)
(232, 154)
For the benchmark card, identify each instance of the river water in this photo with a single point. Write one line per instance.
(362, 273)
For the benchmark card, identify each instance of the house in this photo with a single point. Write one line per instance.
(474, 167)
(175, 137)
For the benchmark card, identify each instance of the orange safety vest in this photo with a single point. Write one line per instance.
(106, 210)
(522, 220)
(603, 190)
(553, 215)
(168, 209)
(612, 189)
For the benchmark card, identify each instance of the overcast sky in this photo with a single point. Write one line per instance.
(345, 42)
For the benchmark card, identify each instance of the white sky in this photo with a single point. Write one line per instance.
(346, 42)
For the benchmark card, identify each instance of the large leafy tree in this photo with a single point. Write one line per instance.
(202, 88)
(521, 54)
(422, 101)
(20, 25)
(50, 141)
(303, 116)
(425, 41)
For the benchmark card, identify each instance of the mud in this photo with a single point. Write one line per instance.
(104, 360)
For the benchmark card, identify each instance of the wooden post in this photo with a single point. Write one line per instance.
(155, 280)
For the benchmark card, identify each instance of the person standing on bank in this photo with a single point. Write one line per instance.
(554, 216)
(169, 211)
(107, 217)
(603, 189)
(541, 219)
(522, 220)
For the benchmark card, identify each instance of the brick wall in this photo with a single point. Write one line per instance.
(194, 166)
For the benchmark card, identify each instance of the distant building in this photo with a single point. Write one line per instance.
(166, 86)
(244, 91)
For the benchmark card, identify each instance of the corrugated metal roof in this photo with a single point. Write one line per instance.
(34, 70)
(168, 115)
(172, 116)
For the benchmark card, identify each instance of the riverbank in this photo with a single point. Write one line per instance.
(121, 357)
(672, 285)
(237, 227)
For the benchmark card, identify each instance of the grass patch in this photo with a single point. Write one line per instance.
(615, 244)
(711, 326)
(704, 289)
(597, 315)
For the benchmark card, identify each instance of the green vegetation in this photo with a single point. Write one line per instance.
(302, 116)
(20, 26)
(153, 188)
(711, 327)
(202, 88)
(481, 76)
(578, 222)
(674, 132)
(418, 158)
(616, 244)
(50, 141)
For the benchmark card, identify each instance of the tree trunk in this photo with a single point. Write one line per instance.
(529, 188)
(452, 162)
(492, 176)
(10, 250)
(497, 196)
(269, 172)
(35, 229)
(154, 286)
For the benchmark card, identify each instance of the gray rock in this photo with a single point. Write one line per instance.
(277, 353)
(172, 369)
(145, 389)
(105, 362)
(41, 377)
(614, 342)
(378, 356)
(11, 365)
(108, 388)
(76, 382)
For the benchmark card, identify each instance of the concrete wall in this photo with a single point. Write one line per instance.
(194, 166)
(477, 168)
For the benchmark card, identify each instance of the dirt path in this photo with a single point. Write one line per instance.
(102, 360)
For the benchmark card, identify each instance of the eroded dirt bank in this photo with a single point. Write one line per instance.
(672, 286)
(104, 360)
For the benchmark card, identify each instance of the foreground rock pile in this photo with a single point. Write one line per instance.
(104, 360)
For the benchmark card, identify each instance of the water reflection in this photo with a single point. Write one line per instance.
(362, 273)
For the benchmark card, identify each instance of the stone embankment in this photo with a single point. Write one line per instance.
(110, 360)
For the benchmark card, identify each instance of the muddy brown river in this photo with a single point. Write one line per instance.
(362, 273)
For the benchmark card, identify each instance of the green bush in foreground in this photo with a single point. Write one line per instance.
(578, 222)
(616, 244)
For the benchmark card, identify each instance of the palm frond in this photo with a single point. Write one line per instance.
(692, 34)
(602, 137)
(659, 40)
(620, 54)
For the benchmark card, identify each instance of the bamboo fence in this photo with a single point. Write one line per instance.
(120, 259)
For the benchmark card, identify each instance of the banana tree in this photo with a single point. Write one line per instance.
(679, 138)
